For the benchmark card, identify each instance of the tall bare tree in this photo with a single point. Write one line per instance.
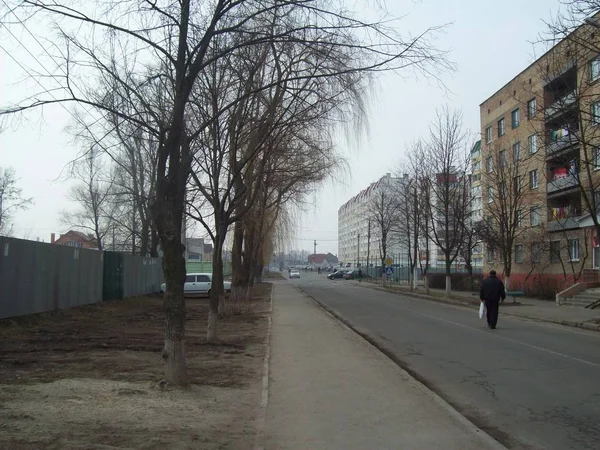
(509, 188)
(448, 160)
(92, 193)
(11, 200)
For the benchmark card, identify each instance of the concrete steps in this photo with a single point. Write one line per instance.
(584, 298)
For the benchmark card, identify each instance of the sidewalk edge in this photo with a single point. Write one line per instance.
(493, 442)
(264, 395)
(566, 323)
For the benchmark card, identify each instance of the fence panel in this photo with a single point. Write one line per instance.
(141, 275)
(37, 277)
(112, 283)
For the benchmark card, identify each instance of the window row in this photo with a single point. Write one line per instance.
(515, 120)
(556, 251)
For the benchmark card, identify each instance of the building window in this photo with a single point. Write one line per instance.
(515, 118)
(531, 108)
(490, 194)
(554, 251)
(503, 189)
(519, 253)
(533, 179)
(501, 127)
(534, 216)
(594, 69)
(532, 143)
(488, 135)
(573, 249)
(489, 164)
(519, 219)
(596, 158)
(596, 113)
(536, 253)
(502, 158)
(517, 185)
(477, 166)
(490, 255)
(516, 151)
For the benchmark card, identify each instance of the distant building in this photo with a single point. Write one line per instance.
(322, 260)
(75, 239)
(356, 245)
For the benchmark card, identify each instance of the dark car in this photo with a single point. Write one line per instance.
(336, 274)
(352, 275)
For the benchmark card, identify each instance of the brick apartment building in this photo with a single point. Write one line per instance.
(539, 154)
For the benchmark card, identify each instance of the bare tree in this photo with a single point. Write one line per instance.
(383, 213)
(173, 44)
(449, 205)
(11, 200)
(508, 183)
(92, 195)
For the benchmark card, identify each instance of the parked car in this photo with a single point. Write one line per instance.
(336, 274)
(198, 283)
(294, 274)
(351, 275)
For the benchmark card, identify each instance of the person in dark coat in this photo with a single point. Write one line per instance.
(491, 292)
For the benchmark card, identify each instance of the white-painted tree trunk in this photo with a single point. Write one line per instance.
(448, 285)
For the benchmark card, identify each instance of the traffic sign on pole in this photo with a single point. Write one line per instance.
(388, 261)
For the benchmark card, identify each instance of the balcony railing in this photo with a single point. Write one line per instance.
(560, 184)
(562, 144)
(561, 105)
(565, 218)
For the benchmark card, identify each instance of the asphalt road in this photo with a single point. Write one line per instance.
(530, 385)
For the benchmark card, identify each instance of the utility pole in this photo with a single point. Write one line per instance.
(315, 251)
(358, 249)
(368, 244)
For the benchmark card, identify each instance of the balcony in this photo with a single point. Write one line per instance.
(561, 106)
(565, 218)
(561, 144)
(562, 184)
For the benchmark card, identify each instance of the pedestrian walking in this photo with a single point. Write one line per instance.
(491, 292)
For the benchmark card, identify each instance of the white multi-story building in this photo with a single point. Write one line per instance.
(357, 244)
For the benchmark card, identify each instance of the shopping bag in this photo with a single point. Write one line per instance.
(481, 309)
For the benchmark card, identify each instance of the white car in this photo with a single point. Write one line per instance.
(198, 283)
(294, 274)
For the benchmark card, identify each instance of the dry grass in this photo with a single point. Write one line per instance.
(84, 376)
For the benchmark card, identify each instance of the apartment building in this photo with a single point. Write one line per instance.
(539, 155)
(476, 202)
(358, 241)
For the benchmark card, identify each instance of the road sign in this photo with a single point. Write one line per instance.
(388, 261)
(389, 271)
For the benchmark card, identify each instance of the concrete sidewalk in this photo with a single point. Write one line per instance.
(330, 389)
(529, 308)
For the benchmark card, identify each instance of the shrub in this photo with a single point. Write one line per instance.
(458, 281)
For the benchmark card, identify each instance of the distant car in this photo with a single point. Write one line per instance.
(198, 283)
(336, 274)
(351, 275)
(294, 274)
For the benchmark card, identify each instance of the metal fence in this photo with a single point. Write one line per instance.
(37, 277)
(401, 273)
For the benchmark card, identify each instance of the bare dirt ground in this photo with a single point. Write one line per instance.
(88, 378)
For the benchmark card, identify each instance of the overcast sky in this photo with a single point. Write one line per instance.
(489, 42)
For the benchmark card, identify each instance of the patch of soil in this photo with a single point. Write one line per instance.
(87, 377)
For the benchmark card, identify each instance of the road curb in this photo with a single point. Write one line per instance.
(264, 395)
(388, 353)
(568, 323)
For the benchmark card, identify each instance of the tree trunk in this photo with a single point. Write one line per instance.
(238, 278)
(507, 282)
(448, 277)
(216, 291)
(174, 351)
